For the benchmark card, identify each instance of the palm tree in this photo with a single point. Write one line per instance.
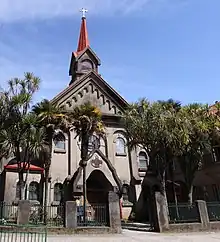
(87, 120)
(14, 105)
(175, 107)
(52, 119)
(202, 130)
(158, 128)
(35, 144)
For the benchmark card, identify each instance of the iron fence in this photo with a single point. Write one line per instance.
(8, 213)
(15, 233)
(183, 213)
(96, 215)
(54, 217)
(213, 209)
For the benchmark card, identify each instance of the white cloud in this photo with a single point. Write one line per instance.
(12, 10)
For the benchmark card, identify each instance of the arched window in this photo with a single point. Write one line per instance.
(120, 146)
(143, 160)
(34, 191)
(59, 141)
(58, 192)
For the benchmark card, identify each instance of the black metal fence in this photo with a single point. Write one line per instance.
(54, 215)
(96, 215)
(8, 213)
(213, 209)
(54, 218)
(15, 233)
(183, 213)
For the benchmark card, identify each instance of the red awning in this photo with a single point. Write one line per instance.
(31, 168)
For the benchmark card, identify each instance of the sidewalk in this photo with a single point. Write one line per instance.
(133, 236)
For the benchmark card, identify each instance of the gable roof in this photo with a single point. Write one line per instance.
(100, 82)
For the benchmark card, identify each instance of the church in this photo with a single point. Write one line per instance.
(112, 166)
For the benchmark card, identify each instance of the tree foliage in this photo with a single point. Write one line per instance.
(203, 131)
(20, 136)
(86, 121)
(158, 128)
(170, 132)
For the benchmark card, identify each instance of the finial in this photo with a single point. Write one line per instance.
(83, 11)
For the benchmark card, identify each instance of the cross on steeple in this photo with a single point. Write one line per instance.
(83, 37)
(83, 11)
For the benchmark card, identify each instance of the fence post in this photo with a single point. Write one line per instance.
(162, 216)
(71, 215)
(203, 213)
(24, 209)
(114, 212)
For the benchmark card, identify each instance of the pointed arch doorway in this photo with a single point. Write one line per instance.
(98, 187)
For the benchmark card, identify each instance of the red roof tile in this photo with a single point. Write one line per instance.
(32, 167)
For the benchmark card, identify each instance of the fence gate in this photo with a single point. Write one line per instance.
(16, 233)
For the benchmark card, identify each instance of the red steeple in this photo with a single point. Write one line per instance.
(83, 60)
(83, 37)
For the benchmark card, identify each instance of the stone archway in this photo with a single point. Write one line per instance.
(98, 187)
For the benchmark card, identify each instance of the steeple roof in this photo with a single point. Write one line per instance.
(83, 37)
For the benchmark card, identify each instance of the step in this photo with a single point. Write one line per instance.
(137, 229)
(135, 225)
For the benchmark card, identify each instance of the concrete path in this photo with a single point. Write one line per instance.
(133, 236)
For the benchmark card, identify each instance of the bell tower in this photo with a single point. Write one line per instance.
(84, 59)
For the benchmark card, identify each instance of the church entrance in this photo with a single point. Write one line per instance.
(98, 188)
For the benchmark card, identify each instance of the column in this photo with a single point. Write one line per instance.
(114, 212)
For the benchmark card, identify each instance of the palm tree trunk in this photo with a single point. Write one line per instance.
(171, 170)
(84, 154)
(47, 173)
(21, 185)
(25, 180)
(20, 173)
(46, 194)
(163, 183)
(84, 194)
(190, 195)
(84, 147)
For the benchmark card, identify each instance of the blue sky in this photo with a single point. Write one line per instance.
(157, 49)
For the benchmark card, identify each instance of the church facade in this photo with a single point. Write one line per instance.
(111, 167)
